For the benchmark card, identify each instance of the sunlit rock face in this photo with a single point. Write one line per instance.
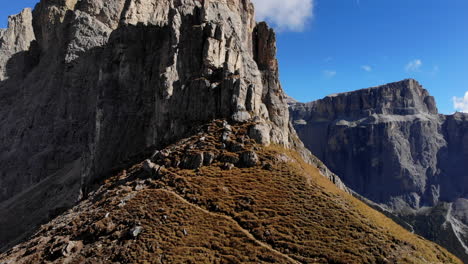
(14, 40)
(390, 145)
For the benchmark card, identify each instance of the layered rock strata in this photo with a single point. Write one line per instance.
(90, 86)
(390, 145)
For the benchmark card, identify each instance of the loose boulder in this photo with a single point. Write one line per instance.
(249, 159)
(261, 134)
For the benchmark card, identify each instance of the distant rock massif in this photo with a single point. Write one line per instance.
(390, 145)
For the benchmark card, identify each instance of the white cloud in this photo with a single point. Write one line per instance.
(285, 14)
(413, 66)
(461, 104)
(367, 68)
(329, 74)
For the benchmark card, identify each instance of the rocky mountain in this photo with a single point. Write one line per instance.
(390, 145)
(90, 87)
(219, 196)
(158, 132)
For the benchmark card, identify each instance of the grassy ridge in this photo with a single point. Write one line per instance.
(279, 211)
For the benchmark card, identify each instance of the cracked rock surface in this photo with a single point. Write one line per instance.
(91, 86)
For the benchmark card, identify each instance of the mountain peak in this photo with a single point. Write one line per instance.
(406, 97)
(104, 82)
(389, 144)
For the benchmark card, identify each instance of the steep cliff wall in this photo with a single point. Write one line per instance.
(390, 145)
(111, 81)
(90, 86)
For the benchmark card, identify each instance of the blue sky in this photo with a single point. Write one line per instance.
(350, 44)
(330, 46)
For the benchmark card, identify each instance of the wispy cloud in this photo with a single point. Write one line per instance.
(413, 66)
(285, 14)
(461, 104)
(366, 68)
(329, 74)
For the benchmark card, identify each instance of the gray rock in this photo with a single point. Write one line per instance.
(390, 145)
(241, 116)
(193, 161)
(228, 166)
(72, 247)
(230, 158)
(225, 136)
(249, 159)
(261, 134)
(136, 231)
(208, 158)
(151, 168)
(236, 147)
(86, 86)
(227, 127)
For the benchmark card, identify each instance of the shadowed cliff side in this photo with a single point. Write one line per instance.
(94, 85)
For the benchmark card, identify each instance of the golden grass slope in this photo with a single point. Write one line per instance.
(280, 211)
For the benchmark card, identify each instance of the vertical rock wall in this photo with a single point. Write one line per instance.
(102, 83)
(390, 145)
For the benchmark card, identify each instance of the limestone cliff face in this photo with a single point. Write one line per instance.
(390, 145)
(115, 77)
(90, 86)
(15, 39)
(383, 140)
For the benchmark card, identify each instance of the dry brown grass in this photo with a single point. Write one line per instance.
(281, 211)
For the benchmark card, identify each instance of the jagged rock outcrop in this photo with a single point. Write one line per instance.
(390, 145)
(95, 85)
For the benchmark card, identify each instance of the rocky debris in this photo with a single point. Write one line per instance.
(193, 161)
(229, 157)
(260, 133)
(226, 136)
(390, 145)
(73, 247)
(208, 158)
(227, 127)
(191, 155)
(249, 159)
(151, 168)
(228, 166)
(236, 146)
(136, 231)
